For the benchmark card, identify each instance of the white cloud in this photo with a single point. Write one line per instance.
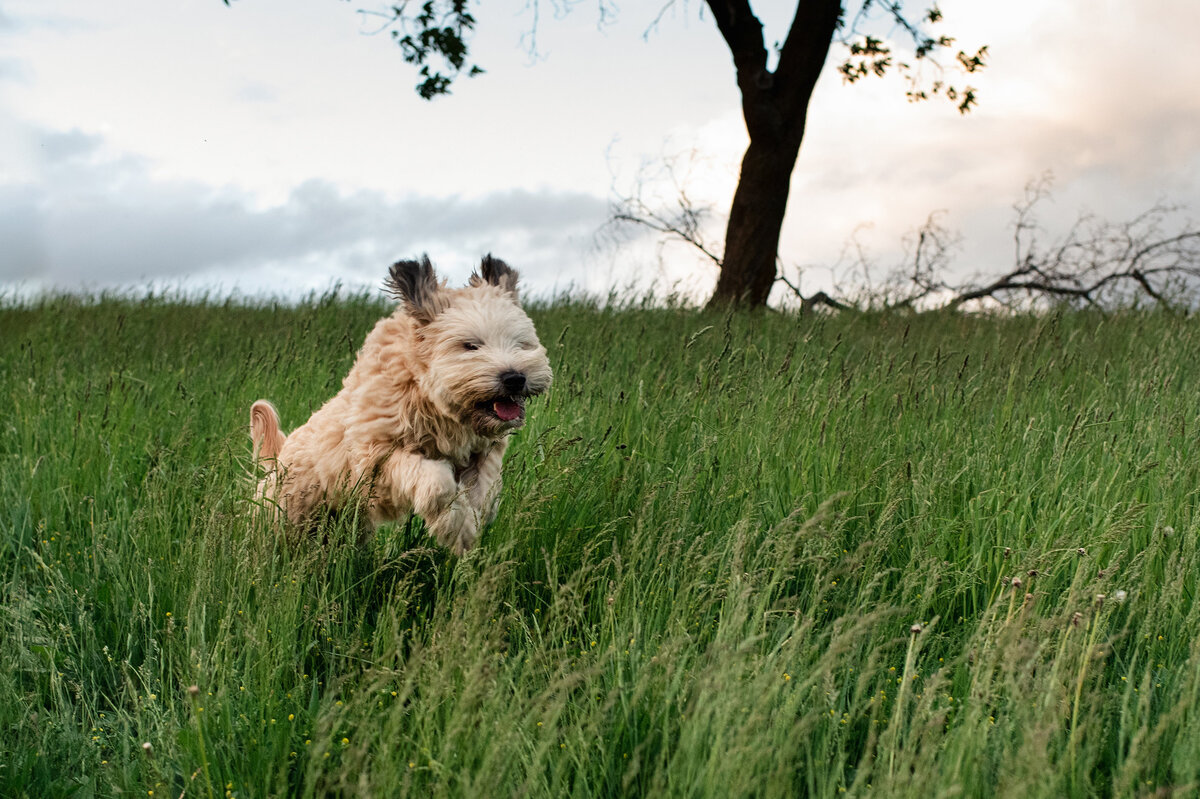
(91, 220)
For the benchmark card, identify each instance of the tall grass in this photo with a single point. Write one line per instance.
(738, 555)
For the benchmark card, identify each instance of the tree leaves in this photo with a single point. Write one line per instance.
(438, 30)
(869, 55)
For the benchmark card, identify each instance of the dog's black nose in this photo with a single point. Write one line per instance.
(513, 382)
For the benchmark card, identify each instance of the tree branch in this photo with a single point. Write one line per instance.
(808, 304)
(680, 218)
(1097, 263)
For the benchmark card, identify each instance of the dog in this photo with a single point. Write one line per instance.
(424, 416)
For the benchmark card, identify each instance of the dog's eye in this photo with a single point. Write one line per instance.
(470, 346)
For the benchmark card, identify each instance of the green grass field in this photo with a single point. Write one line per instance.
(737, 556)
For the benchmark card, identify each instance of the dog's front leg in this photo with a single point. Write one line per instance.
(429, 488)
(483, 481)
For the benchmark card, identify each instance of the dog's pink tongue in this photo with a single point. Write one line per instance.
(507, 410)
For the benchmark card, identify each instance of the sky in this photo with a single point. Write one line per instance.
(276, 147)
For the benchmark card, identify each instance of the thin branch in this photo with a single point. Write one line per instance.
(680, 218)
(807, 304)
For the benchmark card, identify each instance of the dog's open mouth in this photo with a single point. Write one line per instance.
(506, 409)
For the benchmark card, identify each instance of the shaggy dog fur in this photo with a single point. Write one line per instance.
(423, 419)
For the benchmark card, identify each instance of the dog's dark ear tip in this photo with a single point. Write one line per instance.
(498, 273)
(413, 283)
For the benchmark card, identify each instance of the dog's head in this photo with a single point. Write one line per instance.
(481, 355)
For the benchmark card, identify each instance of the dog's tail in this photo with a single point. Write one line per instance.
(264, 431)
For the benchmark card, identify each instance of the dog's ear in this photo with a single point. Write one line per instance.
(415, 285)
(497, 273)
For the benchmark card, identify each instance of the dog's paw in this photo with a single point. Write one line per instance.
(456, 528)
(434, 489)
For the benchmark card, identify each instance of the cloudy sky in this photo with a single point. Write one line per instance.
(277, 147)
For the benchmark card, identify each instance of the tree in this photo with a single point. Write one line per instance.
(775, 107)
(1154, 257)
(774, 99)
(1150, 259)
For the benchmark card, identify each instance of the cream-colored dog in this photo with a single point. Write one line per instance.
(423, 419)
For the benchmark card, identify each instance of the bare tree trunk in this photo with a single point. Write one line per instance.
(775, 106)
(755, 220)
